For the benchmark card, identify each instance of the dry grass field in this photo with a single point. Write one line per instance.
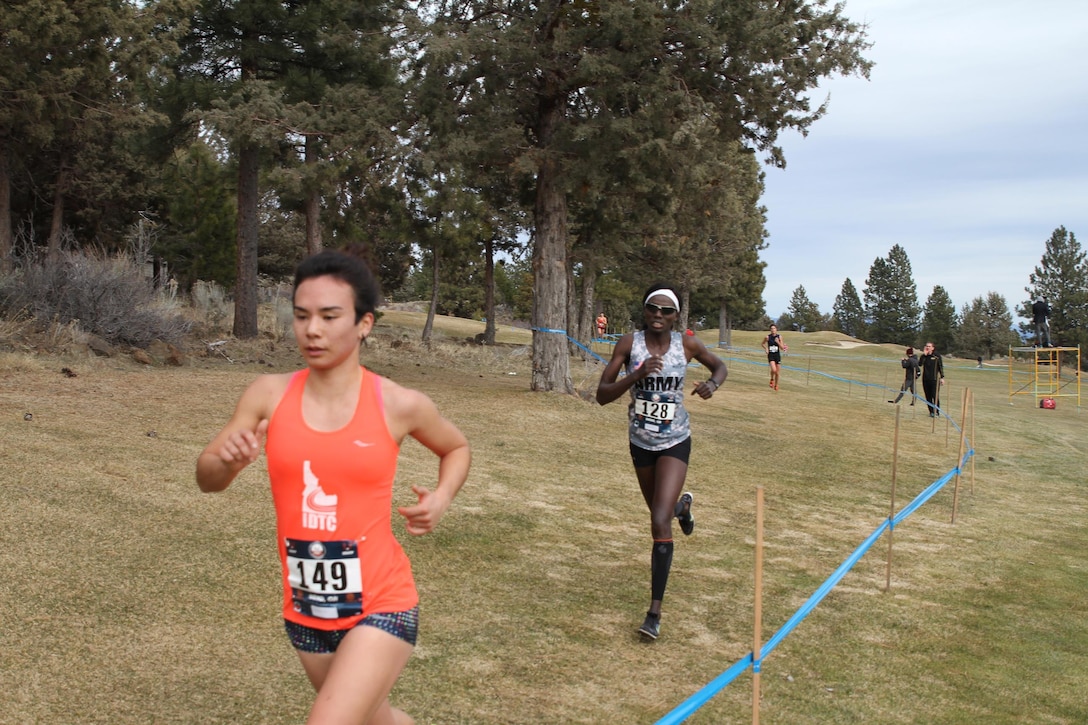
(129, 597)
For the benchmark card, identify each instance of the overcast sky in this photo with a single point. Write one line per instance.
(967, 146)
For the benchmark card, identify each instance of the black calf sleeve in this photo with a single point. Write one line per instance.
(660, 564)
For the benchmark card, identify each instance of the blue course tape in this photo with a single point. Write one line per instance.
(823, 589)
(583, 347)
(685, 709)
(569, 339)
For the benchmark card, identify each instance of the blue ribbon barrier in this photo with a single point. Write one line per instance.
(686, 708)
(586, 349)
(572, 340)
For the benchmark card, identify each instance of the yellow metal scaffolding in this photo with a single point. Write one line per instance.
(1054, 372)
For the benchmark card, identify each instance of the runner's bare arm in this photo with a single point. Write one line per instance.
(240, 441)
(418, 417)
(694, 347)
(610, 388)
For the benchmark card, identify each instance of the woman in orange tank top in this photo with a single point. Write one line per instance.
(332, 433)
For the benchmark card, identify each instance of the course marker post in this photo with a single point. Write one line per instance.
(947, 425)
(959, 458)
(891, 510)
(973, 442)
(757, 609)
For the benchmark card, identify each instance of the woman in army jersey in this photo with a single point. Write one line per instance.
(656, 360)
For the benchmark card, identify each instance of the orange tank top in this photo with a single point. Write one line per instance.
(333, 493)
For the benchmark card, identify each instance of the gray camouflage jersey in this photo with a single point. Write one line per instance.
(658, 418)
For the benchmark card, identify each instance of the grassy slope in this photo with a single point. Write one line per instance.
(131, 598)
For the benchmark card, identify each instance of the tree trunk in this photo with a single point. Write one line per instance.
(432, 310)
(574, 333)
(56, 226)
(685, 295)
(245, 288)
(586, 319)
(551, 364)
(6, 235)
(312, 203)
(725, 327)
(489, 290)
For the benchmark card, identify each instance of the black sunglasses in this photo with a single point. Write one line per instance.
(658, 308)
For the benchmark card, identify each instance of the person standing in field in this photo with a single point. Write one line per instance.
(332, 434)
(602, 325)
(656, 359)
(932, 378)
(910, 374)
(774, 347)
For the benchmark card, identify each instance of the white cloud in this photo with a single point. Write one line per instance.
(967, 148)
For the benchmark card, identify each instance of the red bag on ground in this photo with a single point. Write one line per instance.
(1048, 403)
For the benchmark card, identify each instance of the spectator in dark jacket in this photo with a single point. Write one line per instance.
(910, 374)
(1040, 311)
(932, 377)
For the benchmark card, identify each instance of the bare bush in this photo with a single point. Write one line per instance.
(211, 304)
(108, 296)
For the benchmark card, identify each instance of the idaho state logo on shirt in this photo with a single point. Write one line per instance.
(318, 507)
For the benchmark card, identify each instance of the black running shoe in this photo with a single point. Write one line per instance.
(683, 513)
(651, 627)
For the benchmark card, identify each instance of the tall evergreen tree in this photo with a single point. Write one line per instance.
(939, 323)
(849, 312)
(891, 299)
(986, 327)
(343, 106)
(803, 312)
(558, 93)
(738, 301)
(201, 214)
(1062, 277)
(265, 74)
(230, 61)
(73, 113)
(712, 224)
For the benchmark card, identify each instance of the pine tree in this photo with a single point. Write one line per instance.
(803, 312)
(986, 328)
(591, 99)
(201, 214)
(270, 77)
(939, 324)
(849, 313)
(891, 299)
(1062, 278)
(74, 117)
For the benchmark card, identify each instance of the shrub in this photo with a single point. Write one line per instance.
(108, 296)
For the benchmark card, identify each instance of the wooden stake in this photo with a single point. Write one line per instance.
(971, 402)
(758, 608)
(947, 428)
(891, 509)
(963, 440)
